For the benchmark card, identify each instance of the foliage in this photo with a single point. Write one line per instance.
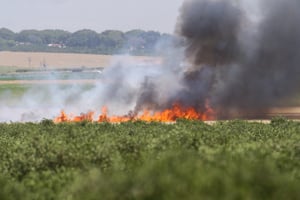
(7, 34)
(82, 41)
(138, 160)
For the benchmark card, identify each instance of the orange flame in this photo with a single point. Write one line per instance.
(168, 115)
(68, 118)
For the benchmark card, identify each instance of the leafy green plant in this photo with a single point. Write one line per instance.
(139, 160)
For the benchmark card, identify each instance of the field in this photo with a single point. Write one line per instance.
(22, 71)
(25, 80)
(137, 160)
(32, 60)
(53, 60)
(32, 68)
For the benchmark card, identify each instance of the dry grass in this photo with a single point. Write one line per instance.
(59, 60)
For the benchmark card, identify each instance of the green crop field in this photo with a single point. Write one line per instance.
(137, 160)
(15, 91)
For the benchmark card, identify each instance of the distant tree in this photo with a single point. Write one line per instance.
(7, 34)
(112, 40)
(7, 39)
(30, 36)
(151, 38)
(137, 42)
(3, 44)
(142, 42)
(84, 38)
(134, 33)
(55, 36)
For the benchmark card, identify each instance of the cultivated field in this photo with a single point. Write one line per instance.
(134, 160)
(186, 160)
(18, 84)
(60, 60)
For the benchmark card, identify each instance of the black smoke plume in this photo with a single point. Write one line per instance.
(242, 67)
(211, 30)
(242, 63)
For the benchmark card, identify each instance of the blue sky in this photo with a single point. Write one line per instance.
(98, 15)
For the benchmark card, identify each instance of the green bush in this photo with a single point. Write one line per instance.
(139, 160)
(10, 190)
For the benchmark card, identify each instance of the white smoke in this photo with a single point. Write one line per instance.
(117, 88)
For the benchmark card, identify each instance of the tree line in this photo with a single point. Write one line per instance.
(136, 42)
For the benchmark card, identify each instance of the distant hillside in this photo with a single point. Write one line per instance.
(136, 42)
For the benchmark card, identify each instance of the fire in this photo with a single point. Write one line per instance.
(169, 115)
(64, 117)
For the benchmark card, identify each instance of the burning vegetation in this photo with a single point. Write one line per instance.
(168, 115)
(237, 61)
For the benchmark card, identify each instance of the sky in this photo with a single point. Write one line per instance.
(98, 15)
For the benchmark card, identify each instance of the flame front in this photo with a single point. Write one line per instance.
(169, 115)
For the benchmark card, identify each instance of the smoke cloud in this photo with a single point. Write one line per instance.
(241, 60)
(241, 65)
